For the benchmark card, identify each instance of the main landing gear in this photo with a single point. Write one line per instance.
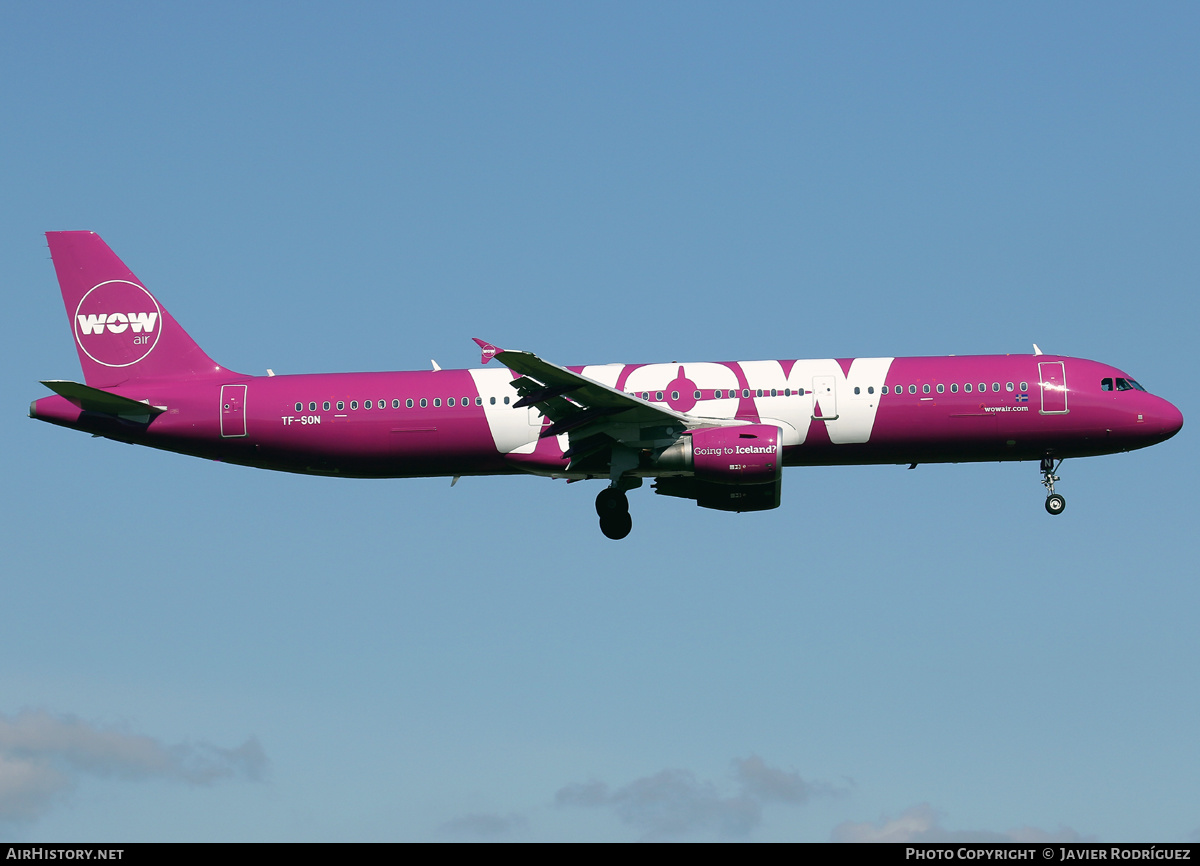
(613, 507)
(1054, 501)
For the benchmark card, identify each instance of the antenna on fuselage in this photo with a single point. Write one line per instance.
(1036, 350)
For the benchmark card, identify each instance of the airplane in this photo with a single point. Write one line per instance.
(717, 433)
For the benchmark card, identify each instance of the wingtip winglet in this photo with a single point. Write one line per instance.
(489, 351)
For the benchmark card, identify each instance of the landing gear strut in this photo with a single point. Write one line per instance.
(613, 507)
(1054, 502)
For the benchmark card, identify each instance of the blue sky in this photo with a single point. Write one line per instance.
(193, 651)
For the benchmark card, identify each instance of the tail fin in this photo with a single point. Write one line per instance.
(121, 331)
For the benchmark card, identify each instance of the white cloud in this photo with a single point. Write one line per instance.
(922, 824)
(674, 803)
(42, 757)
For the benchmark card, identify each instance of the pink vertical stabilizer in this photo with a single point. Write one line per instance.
(121, 331)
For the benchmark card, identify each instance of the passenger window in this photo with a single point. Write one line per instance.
(1008, 386)
(787, 392)
(492, 400)
(505, 401)
(450, 401)
(995, 386)
(982, 387)
(341, 405)
(954, 388)
(353, 404)
(967, 387)
(925, 389)
(674, 395)
(857, 390)
(437, 402)
(366, 404)
(775, 393)
(478, 401)
(395, 404)
(941, 389)
(745, 392)
(424, 403)
(759, 392)
(658, 395)
(312, 407)
(912, 389)
(325, 405)
(408, 403)
(299, 407)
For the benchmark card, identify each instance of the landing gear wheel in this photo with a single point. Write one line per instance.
(616, 526)
(612, 502)
(1054, 502)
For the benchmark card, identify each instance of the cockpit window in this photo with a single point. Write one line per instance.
(1120, 384)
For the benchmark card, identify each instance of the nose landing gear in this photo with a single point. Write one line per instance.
(613, 507)
(1055, 503)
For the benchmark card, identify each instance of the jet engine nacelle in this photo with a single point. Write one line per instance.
(726, 468)
(737, 455)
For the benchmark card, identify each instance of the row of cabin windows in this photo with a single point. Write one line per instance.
(466, 401)
(409, 403)
(941, 389)
(721, 393)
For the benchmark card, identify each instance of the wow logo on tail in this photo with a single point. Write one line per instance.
(121, 332)
(117, 323)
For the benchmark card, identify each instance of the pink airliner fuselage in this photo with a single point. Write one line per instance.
(715, 432)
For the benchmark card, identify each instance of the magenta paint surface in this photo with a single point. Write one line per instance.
(129, 345)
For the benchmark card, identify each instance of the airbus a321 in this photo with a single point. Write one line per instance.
(717, 433)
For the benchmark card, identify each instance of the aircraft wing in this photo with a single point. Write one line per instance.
(594, 415)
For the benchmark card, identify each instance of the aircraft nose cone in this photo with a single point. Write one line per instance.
(1166, 420)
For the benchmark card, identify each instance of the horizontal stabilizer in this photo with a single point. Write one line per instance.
(95, 400)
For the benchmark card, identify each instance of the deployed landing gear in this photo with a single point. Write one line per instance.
(613, 507)
(617, 526)
(611, 501)
(1054, 501)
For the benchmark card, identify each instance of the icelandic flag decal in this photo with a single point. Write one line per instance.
(1022, 398)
